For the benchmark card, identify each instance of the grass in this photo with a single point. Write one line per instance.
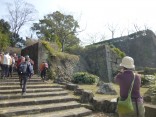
(94, 88)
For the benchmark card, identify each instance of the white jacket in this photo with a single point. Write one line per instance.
(7, 59)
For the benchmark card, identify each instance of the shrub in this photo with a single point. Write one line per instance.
(84, 78)
(144, 80)
(119, 52)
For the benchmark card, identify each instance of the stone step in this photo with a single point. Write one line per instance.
(43, 99)
(75, 112)
(31, 95)
(16, 75)
(35, 101)
(35, 109)
(5, 87)
(30, 90)
(14, 83)
(17, 80)
(150, 110)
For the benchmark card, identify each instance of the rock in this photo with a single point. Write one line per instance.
(71, 86)
(153, 100)
(78, 91)
(147, 98)
(86, 97)
(104, 106)
(106, 88)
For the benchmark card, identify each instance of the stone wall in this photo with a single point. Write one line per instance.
(102, 61)
(32, 51)
(61, 69)
(140, 45)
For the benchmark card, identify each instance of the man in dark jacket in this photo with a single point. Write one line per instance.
(25, 71)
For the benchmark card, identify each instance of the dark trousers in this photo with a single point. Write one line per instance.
(23, 82)
(5, 70)
(10, 70)
(43, 73)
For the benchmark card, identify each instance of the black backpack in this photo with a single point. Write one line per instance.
(23, 68)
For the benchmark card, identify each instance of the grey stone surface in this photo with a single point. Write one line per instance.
(71, 86)
(106, 88)
(41, 100)
(86, 97)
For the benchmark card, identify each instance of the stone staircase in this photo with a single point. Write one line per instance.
(42, 99)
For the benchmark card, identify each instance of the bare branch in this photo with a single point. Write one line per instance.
(112, 28)
(20, 13)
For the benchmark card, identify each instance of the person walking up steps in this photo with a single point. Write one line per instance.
(1, 62)
(6, 64)
(25, 71)
(43, 70)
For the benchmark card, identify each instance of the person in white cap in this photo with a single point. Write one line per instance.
(124, 79)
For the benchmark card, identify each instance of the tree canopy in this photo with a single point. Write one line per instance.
(59, 28)
(4, 35)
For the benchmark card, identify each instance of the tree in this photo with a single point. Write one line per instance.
(19, 13)
(4, 27)
(59, 28)
(4, 41)
(4, 35)
(112, 28)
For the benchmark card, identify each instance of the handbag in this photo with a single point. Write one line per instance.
(126, 106)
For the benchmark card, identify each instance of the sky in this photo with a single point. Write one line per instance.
(95, 17)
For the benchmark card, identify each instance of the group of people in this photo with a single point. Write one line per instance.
(7, 64)
(23, 65)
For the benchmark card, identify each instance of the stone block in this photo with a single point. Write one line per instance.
(71, 86)
(86, 97)
(78, 91)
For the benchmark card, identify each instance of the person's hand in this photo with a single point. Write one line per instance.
(121, 70)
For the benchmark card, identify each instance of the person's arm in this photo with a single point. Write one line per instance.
(30, 68)
(117, 77)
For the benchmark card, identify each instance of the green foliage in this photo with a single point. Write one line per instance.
(57, 54)
(119, 52)
(84, 78)
(49, 48)
(51, 74)
(144, 80)
(150, 71)
(4, 35)
(76, 49)
(4, 27)
(59, 28)
(4, 41)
